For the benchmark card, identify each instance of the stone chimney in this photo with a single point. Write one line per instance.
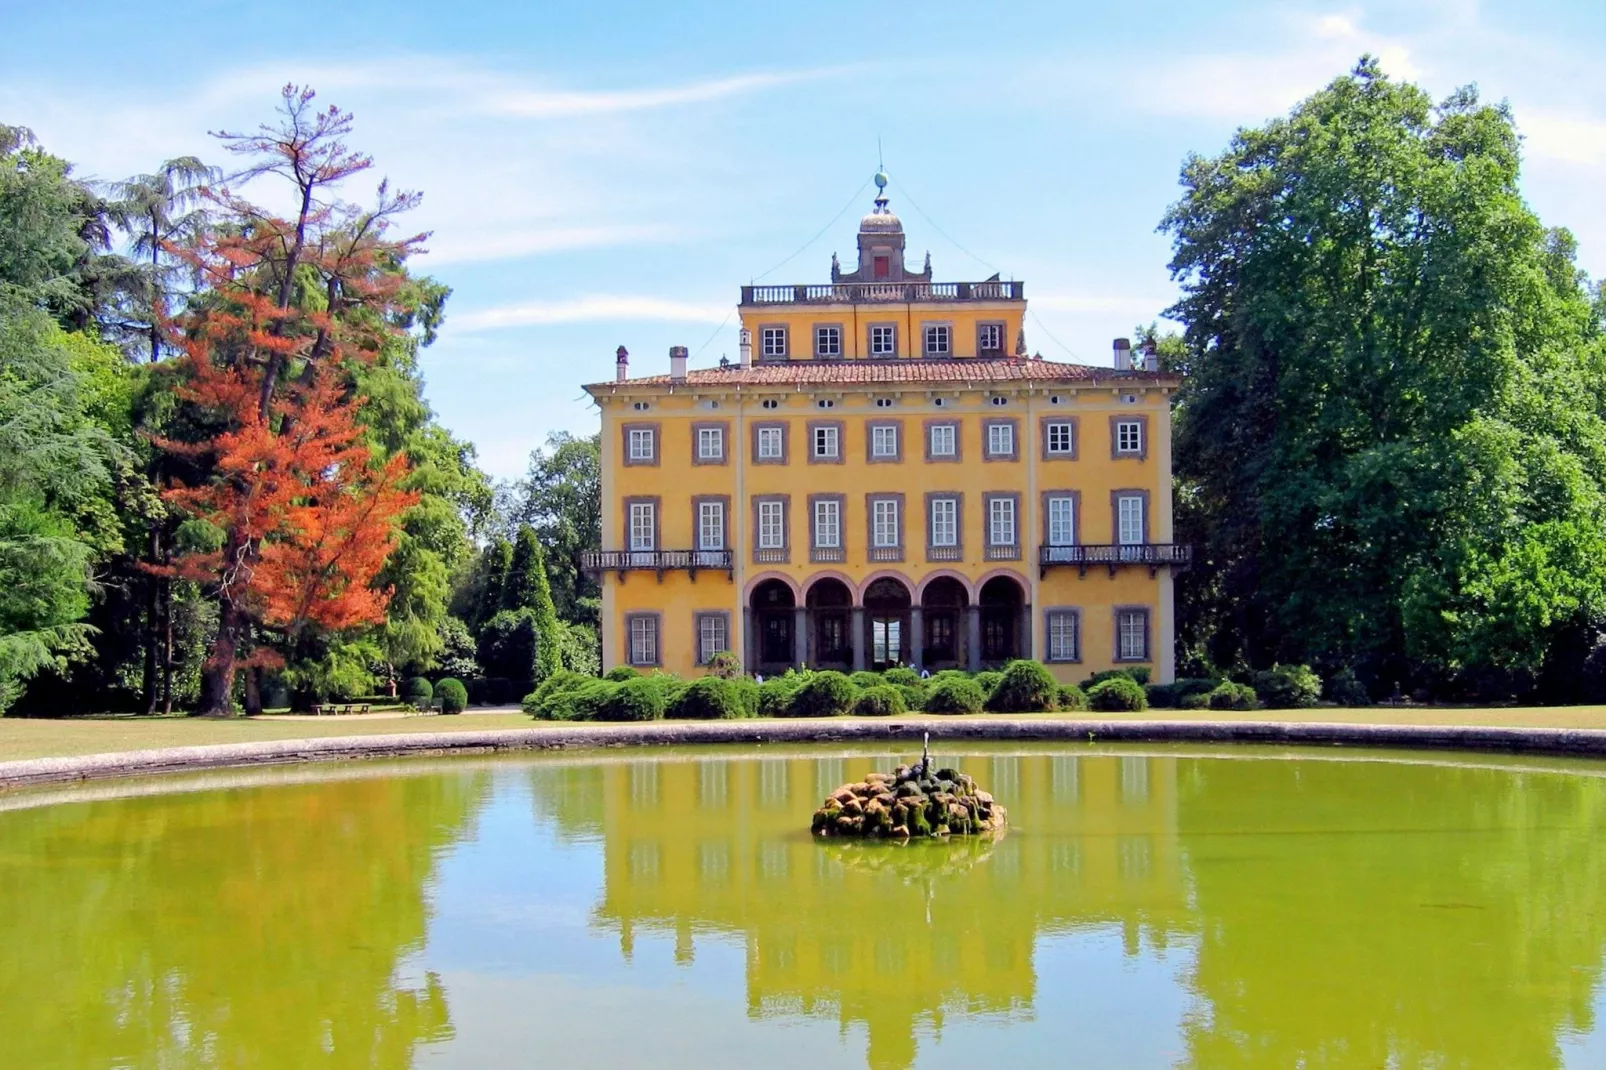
(1123, 354)
(622, 365)
(677, 362)
(1151, 360)
(747, 348)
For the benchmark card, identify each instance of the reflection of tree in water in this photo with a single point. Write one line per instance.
(1457, 923)
(934, 930)
(262, 926)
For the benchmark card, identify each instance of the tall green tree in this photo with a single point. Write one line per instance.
(561, 498)
(1390, 447)
(495, 561)
(159, 213)
(526, 588)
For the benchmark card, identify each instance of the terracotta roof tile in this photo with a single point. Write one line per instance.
(907, 370)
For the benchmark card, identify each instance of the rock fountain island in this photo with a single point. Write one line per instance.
(917, 801)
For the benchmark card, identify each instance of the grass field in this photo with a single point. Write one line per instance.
(28, 738)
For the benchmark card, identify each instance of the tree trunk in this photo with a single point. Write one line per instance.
(167, 644)
(217, 676)
(153, 626)
(253, 691)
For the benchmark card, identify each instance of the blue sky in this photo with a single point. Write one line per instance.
(606, 174)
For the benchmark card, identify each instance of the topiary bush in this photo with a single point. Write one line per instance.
(1138, 674)
(900, 675)
(621, 673)
(453, 695)
(635, 699)
(710, 698)
(948, 674)
(668, 684)
(988, 680)
(418, 691)
(1026, 686)
(775, 695)
(1071, 697)
(863, 679)
(582, 703)
(1287, 687)
(747, 695)
(1172, 696)
(914, 695)
(554, 684)
(954, 695)
(882, 700)
(1231, 696)
(823, 694)
(1117, 694)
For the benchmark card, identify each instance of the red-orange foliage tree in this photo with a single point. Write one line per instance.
(306, 515)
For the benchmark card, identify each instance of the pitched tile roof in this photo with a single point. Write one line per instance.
(801, 373)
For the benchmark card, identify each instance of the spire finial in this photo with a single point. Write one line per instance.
(880, 178)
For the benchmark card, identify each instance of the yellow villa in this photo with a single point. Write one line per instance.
(887, 478)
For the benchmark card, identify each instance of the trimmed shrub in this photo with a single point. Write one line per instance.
(747, 695)
(914, 695)
(1346, 689)
(882, 700)
(1287, 687)
(621, 673)
(823, 694)
(1138, 674)
(668, 684)
(1117, 694)
(725, 665)
(582, 703)
(1071, 697)
(863, 679)
(1231, 696)
(418, 691)
(709, 698)
(556, 683)
(954, 695)
(1026, 686)
(1196, 702)
(1171, 696)
(635, 699)
(948, 674)
(453, 695)
(900, 675)
(988, 680)
(775, 695)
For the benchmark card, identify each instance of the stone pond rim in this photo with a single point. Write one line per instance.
(1562, 742)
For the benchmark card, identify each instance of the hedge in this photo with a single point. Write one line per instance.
(1231, 696)
(823, 694)
(1117, 694)
(954, 695)
(1071, 697)
(1287, 687)
(634, 699)
(558, 682)
(988, 680)
(1173, 696)
(1026, 686)
(709, 698)
(620, 673)
(882, 700)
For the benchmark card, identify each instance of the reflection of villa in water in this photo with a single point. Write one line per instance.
(715, 846)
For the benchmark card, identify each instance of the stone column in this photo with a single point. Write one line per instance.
(800, 636)
(1025, 643)
(858, 638)
(973, 637)
(749, 641)
(917, 638)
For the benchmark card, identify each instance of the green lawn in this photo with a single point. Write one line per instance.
(27, 738)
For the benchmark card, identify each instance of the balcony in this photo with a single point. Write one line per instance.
(659, 561)
(1153, 555)
(883, 293)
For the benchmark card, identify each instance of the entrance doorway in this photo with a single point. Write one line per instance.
(886, 610)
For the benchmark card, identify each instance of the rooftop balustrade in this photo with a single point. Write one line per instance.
(874, 293)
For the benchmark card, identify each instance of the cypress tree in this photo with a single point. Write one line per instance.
(527, 588)
(495, 562)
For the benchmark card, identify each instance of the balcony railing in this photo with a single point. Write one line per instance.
(659, 561)
(780, 556)
(1154, 555)
(827, 555)
(886, 553)
(880, 293)
(944, 553)
(1003, 553)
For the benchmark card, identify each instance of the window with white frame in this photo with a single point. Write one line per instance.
(771, 446)
(643, 640)
(884, 523)
(772, 341)
(1132, 634)
(990, 338)
(944, 522)
(642, 445)
(827, 442)
(710, 443)
(1129, 519)
(944, 440)
(643, 526)
(883, 340)
(1064, 636)
(711, 636)
(884, 440)
(1000, 440)
(1060, 438)
(772, 525)
(828, 341)
(1001, 522)
(1129, 436)
(711, 525)
(828, 524)
(938, 340)
(1061, 520)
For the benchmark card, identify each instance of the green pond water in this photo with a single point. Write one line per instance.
(1148, 908)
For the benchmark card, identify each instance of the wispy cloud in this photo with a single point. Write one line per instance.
(1565, 138)
(556, 104)
(590, 308)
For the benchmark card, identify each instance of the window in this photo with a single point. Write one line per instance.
(944, 522)
(1059, 438)
(828, 341)
(1001, 440)
(883, 403)
(642, 444)
(1064, 635)
(641, 406)
(643, 526)
(990, 338)
(1001, 522)
(771, 525)
(773, 341)
(828, 524)
(710, 525)
(770, 403)
(998, 400)
(1132, 634)
(643, 639)
(825, 403)
(1129, 519)
(937, 340)
(884, 441)
(884, 523)
(884, 340)
(944, 441)
(827, 442)
(710, 443)
(1129, 437)
(881, 266)
(771, 443)
(712, 636)
(1061, 519)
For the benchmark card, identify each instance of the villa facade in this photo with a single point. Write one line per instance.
(886, 477)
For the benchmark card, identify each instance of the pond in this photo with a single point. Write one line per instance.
(1149, 907)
